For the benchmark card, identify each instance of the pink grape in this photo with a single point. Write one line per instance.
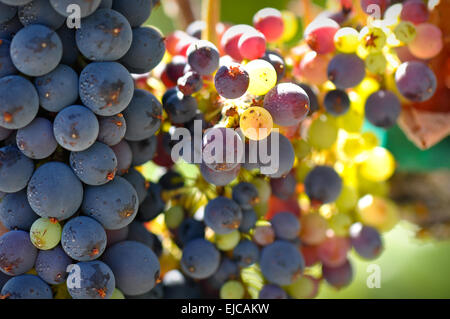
(270, 23)
(313, 68)
(252, 45)
(414, 11)
(319, 35)
(428, 41)
(231, 37)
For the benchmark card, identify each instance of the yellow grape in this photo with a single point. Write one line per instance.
(45, 233)
(376, 63)
(256, 123)
(303, 169)
(228, 241)
(301, 148)
(352, 121)
(323, 132)
(350, 147)
(379, 165)
(117, 294)
(174, 216)
(372, 39)
(370, 140)
(305, 287)
(340, 223)
(357, 103)
(347, 200)
(290, 25)
(367, 87)
(377, 212)
(405, 32)
(346, 40)
(232, 289)
(262, 76)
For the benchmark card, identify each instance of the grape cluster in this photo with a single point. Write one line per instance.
(72, 127)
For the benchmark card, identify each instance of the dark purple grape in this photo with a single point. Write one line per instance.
(286, 225)
(136, 179)
(51, 265)
(17, 253)
(219, 178)
(382, 108)
(415, 81)
(40, 12)
(366, 240)
(283, 187)
(111, 129)
(143, 151)
(15, 169)
(336, 102)
(223, 215)
(338, 277)
(175, 68)
(231, 80)
(245, 194)
(346, 70)
(180, 108)
(6, 65)
(136, 11)
(222, 149)
(15, 211)
(270, 291)
(91, 280)
(249, 219)
(277, 62)
(323, 184)
(203, 57)
(246, 253)
(190, 83)
(200, 259)
(26, 287)
(36, 140)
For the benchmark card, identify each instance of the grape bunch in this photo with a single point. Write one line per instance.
(72, 128)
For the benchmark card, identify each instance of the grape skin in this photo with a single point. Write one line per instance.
(222, 215)
(6, 65)
(143, 151)
(285, 225)
(415, 81)
(323, 184)
(26, 287)
(17, 253)
(51, 265)
(69, 44)
(203, 57)
(9, 28)
(336, 102)
(136, 11)
(23, 216)
(15, 169)
(246, 253)
(45, 233)
(382, 109)
(40, 12)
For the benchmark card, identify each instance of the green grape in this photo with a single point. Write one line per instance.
(346, 40)
(232, 289)
(323, 132)
(405, 32)
(301, 148)
(261, 208)
(340, 224)
(376, 63)
(379, 165)
(262, 77)
(228, 241)
(377, 212)
(45, 233)
(302, 170)
(347, 200)
(264, 189)
(117, 294)
(366, 186)
(174, 216)
(352, 121)
(305, 287)
(372, 39)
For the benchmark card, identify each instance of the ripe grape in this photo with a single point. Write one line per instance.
(91, 280)
(138, 182)
(245, 195)
(336, 102)
(263, 235)
(124, 156)
(366, 241)
(230, 40)
(252, 45)
(26, 287)
(17, 253)
(51, 265)
(313, 67)
(203, 57)
(286, 226)
(20, 102)
(36, 140)
(222, 215)
(222, 149)
(262, 77)
(114, 204)
(319, 35)
(200, 259)
(288, 104)
(175, 69)
(180, 108)
(40, 12)
(232, 290)
(270, 291)
(332, 252)
(116, 235)
(106, 88)
(136, 11)
(414, 11)
(190, 83)
(15, 169)
(55, 191)
(322, 132)
(346, 40)
(189, 230)
(152, 205)
(9, 28)
(270, 22)
(277, 62)
(15, 212)
(87, 7)
(248, 221)
(143, 151)
(111, 129)
(36, 50)
(283, 187)
(178, 286)
(6, 65)
(346, 70)
(340, 276)
(246, 253)
(7, 12)
(323, 184)
(314, 228)
(45, 233)
(219, 178)
(382, 109)
(231, 80)
(428, 41)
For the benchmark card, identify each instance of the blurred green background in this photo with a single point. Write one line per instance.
(410, 268)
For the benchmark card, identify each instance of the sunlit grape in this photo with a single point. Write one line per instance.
(262, 77)
(405, 32)
(377, 212)
(346, 40)
(256, 123)
(376, 63)
(340, 224)
(372, 39)
(323, 132)
(379, 165)
(290, 25)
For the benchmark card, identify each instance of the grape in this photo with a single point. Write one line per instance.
(379, 165)
(312, 95)
(36, 140)
(51, 265)
(105, 4)
(322, 132)
(36, 50)
(340, 224)
(306, 287)
(333, 251)
(226, 242)
(116, 235)
(15, 169)
(347, 200)
(94, 166)
(87, 7)
(180, 108)
(55, 191)
(285, 225)
(190, 83)
(26, 287)
(368, 6)
(40, 12)
(15, 212)
(219, 178)
(175, 69)
(245, 195)
(196, 28)
(189, 230)
(263, 235)
(231, 80)
(70, 49)
(177, 286)
(153, 204)
(270, 291)
(83, 239)
(252, 45)
(134, 265)
(171, 180)
(136, 11)
(111, 129)
(146, 51)
(106, 88)
(173, 39)
(376, 63)
(288, 104)
(346, 40)
(248, 221)
(309, 253)
(6, 13)
(405, 31)
(246, 253)
(232, 290)
(6, 65)
(114, 204)
(9, 28)
(222, 149)
(230, 40)
(414, 11)
(143, 151)
(428, 41)
(20, 102)
(323, 184)
(168, 94)
(17, 253)
(222, 215)
(372, 39)
(124, 156)
(281, 263)
(314, 228)
(105, 36)
(269, 21)
(58, 88)
(336, 102)
(228, 269)
(262, 77)
(143, 116)
(91, 280)
(138, 182)
(277, 62)
(382, 109)
(346, 70)
(45, 233)
(200, 259)
(320, 33)
(377, 212)
(264, 189)
(203, 57)
(366, 240)
(117, 294)
(338, 277)
(313, 67)
(75, 128)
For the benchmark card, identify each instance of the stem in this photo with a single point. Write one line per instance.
(186, 12)
(211, 16)
(307, 11)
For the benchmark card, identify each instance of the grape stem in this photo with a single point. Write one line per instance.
(186, 11)
(211, 16)
(306, 11)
